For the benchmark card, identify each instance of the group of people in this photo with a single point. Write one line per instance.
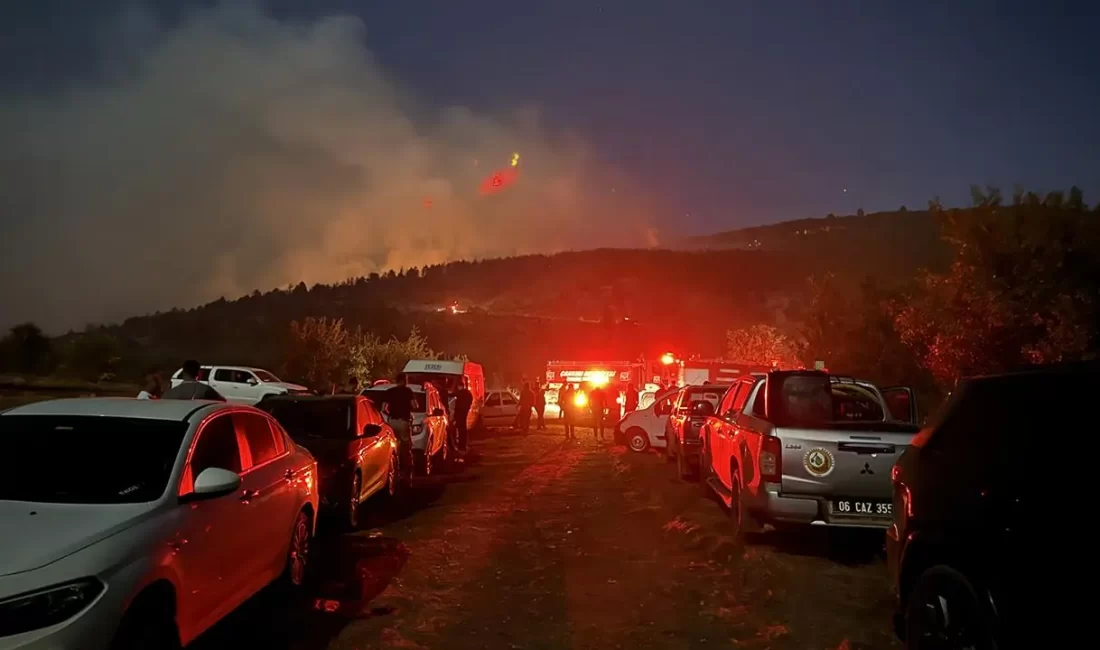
(532, 399)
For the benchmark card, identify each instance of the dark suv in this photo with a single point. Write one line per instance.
(975, 533)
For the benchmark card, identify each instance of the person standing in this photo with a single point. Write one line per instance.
(526, 403)
(464, 401)
(190, 387)
(565, 403)
(399, 405)
(540, 406)
(631, 401)
(154, 387)
(597, 400)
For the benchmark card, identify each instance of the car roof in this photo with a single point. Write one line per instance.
(123, 407)
(343, 397)
(416, 388)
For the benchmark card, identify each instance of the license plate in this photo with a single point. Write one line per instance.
(863, 508)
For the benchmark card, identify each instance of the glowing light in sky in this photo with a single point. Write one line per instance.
(515, 160)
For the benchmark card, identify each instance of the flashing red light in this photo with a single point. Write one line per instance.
(668, 358)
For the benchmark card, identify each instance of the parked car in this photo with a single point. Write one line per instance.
(141, 523)
(973, 540)
(645, 428)
(690, 408)
(805, 447)
(500, 409)
(243, 384)
(355, 449)
(429, 424)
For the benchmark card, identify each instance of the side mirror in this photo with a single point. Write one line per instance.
(252, 381)
(214, 482)
(371, 430)
(438, 413)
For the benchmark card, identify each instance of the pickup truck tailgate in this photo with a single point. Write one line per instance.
(848, 459)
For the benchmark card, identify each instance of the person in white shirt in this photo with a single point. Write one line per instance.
(154, 388)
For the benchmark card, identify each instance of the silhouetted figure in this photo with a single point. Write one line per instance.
(631, 401)
(399, 404)
(464, 401)
(526, 403)
(153, 387)
(597, 401)
(540, 406)
(565, 402)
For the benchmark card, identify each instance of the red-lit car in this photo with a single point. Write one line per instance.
(356, 451)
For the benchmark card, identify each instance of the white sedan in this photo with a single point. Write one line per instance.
(140, 523)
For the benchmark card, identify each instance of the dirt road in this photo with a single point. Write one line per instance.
(540, 544)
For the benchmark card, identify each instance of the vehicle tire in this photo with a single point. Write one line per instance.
(148, 625)
(351, 515)
(683, 469)
(946, 610)
(637, 439)
(297, 555)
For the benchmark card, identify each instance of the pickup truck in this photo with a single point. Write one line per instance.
(806, 447)
(242, 383)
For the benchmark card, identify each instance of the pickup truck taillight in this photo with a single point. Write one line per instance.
(771, 460)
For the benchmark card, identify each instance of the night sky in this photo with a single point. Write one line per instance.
(739, 112)
(719, 114)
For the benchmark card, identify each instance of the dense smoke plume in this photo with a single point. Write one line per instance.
(234, 151)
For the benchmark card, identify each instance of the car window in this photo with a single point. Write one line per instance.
(507, 399)
(232, 376)
(493, 400)
(216, 447)
(366, 415)
(726, 406)
(743, 395)
(262, 445)
(759, 405)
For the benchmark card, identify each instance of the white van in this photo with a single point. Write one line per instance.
(448, 375)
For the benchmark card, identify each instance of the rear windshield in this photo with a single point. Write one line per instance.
(87, 459)
(805, 400)
(378, 398)
(438, 379)
(313, 418)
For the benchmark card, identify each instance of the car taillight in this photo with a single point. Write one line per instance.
(771, 460)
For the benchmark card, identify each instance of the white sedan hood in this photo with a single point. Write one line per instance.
(37, 534)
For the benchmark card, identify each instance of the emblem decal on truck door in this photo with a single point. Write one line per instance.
(818, 462)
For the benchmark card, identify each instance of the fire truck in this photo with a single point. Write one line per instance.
(614, 376)
(695, 372)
